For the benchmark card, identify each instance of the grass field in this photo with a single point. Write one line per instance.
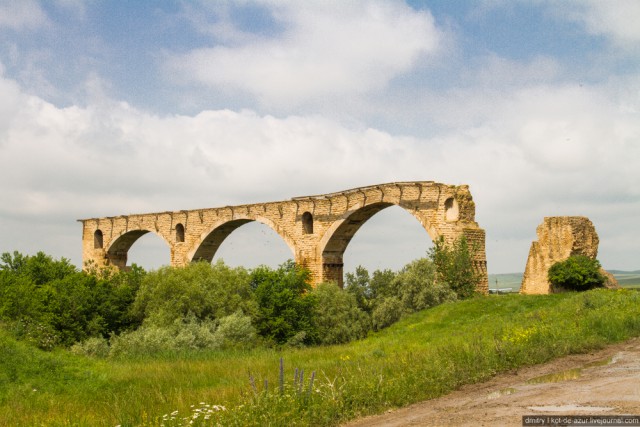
(423, 356)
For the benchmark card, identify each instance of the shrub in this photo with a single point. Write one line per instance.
(200, 289)
(92, 347)
(370, 289)
(454, 266)
(184, 334)
(337, 317)
(387, 312)
(417, 288)
(39, 268)
(284, 305)
(236, 330)
(49, 303)
(577, 273)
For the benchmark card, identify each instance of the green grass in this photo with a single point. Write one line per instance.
(423, 356)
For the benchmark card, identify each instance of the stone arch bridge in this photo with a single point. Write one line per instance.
(317, 229)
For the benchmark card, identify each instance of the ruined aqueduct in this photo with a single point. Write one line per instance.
(317, 229)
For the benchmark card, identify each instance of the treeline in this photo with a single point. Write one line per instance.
(107, 312)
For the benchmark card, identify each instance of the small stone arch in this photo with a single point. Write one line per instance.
(98, 239)
(179, 233)
(211, 240)
(307, 223)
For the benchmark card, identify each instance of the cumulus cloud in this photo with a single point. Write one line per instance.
(22, 15)
(322, 51)
(548, 150)
(617, 20)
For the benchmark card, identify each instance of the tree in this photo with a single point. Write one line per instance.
(200, 289)
(577, 273)
(370, 290)
(417, 288)
(337, 317)
(454, 266)
(285, 306)
(40, 268)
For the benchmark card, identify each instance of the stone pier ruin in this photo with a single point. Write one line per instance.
(317, 229)
(559, 238)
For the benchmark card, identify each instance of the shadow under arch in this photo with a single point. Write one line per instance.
(118, 250)
(211, 240)
(335, 240)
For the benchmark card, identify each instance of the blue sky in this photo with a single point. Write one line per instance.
(119, 107)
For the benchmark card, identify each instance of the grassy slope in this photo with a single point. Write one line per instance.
(423, 356)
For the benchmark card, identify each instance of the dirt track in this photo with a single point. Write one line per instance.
(606, 382)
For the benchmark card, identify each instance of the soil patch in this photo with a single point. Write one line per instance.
(604, 382)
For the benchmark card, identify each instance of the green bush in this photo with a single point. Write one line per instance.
(200, 289)
(236, 330)
(576, 273)
(369, 289)
(39, 268)
(183, 334)
(49, 303)
(337, 317)
(417, 288)
(92, 347)
(454, 266)
(285, 307)
(188, 334)
(387, 312)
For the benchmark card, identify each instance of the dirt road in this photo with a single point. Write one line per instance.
(606, 382)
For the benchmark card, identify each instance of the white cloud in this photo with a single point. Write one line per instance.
(533, 152)
(23, 14)
(617, 20)
(323, 51)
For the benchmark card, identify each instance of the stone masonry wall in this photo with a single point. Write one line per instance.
(317, 229)
(558, 239)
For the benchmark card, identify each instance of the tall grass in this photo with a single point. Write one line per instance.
(423, 356)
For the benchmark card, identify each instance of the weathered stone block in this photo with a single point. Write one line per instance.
(558, 239)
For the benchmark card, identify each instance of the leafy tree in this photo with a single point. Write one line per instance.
(454, 266)
(578, 273)
(285, 307)
(200, 289)
(417, 288)
(368, 290)
(50, 303)
(336, 315)
(40, 268)
(114, 294)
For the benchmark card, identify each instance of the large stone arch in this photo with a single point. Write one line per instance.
(117, 250)
(336, 239)
(211, 239)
